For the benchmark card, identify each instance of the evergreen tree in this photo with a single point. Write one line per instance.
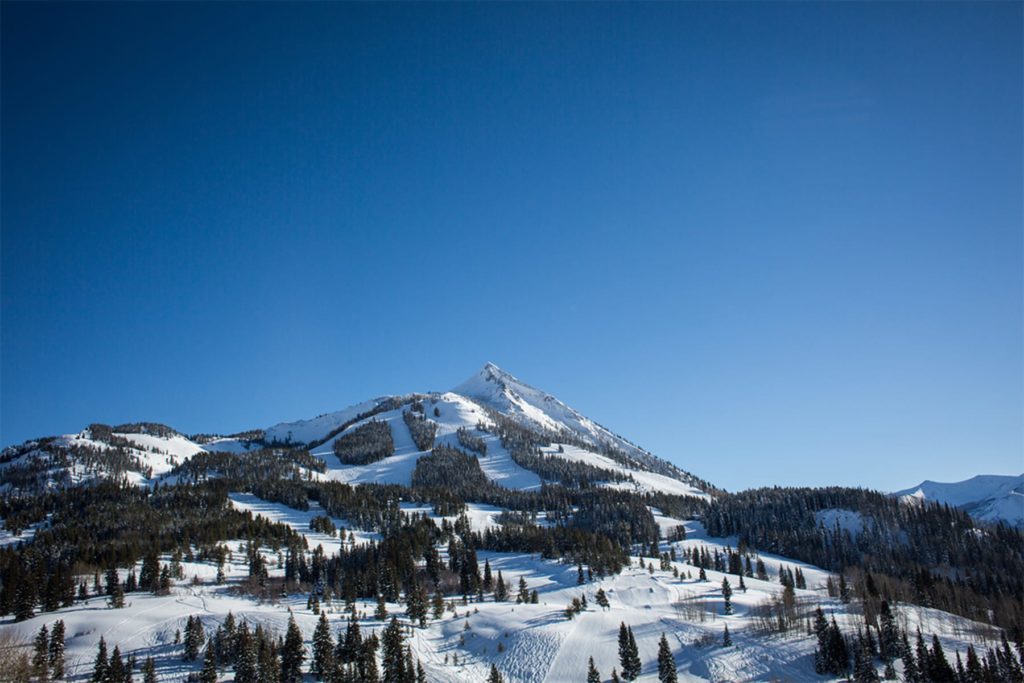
(495, 676)
(393, 660)
(149, 671)
(116, 671)
(863, 666)
(41, 655)
(416, 605)
(55, 651)
(195, 637)
(666, 662)
(601, 598)
(488, 578)
(381, 613)
(246, 661)
(524, 591)
(209, 672)
(888, 633)
(101, 668)
(726, 637)
(580, 579)
(939, 669)
(292, 654)
(500, 589)
(629, 655)
(593, 676)
(727, 594)
(615, 677)
(323, 649)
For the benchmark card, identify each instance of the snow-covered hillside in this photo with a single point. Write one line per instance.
(529, 643)
(988, 497)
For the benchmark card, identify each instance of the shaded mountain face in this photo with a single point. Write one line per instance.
(988, 497)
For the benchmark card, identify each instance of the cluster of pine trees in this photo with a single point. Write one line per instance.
(366, 443)
(422, 430)
(932, 555)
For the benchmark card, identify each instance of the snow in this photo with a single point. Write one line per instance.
(846, 520)
(299, 521)
(306, 431)
(989, 497)
(538, 644)
(643, 481)
(454, 412)
(503, 392)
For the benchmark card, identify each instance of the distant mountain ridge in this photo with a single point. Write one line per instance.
(988, 497)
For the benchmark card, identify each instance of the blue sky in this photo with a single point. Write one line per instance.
(774, 243)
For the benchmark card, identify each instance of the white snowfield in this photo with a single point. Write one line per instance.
(528, 643)
(643, 481)
(989, 497)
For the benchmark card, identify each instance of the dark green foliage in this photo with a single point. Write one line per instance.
(421, 429)
(629, 655)
(470, 442)
(666, 662)
(915, 553)
(593, 675)
(55, 650)
(293, 653)
(365, 444)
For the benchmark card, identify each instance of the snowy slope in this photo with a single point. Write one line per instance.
(306, 431)
(988, 497)
(453, 411)
(530, 643)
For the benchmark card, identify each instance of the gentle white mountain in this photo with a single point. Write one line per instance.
(989, 497)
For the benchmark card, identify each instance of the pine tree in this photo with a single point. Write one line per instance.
(601, 598)
(938, 666)
(524, 591)
(488, 584)
(495, 676)
(209, 672)
(863, 666)
(416, 605)
(580, 579)
(55, 650)
(666, 662)
(727, 594)
(393, 660)
(116, 670)
(381, 613)
(438, 605)
(195, 637)
(292, 654)
(888, 634)
(101, 667)
(149, 671)
(41, 655)
(726, 637)
(615, 677)
(246, 662)
(629, 655)
(323, 649)
(593, 676)
(500, 589)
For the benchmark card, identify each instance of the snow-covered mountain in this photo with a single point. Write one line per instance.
(145, 454)
(988, 497)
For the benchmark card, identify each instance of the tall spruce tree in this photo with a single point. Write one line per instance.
(55, 651)
(392, 655)
(666, 662)
(323, 649)
(41, 655)
(593, 676)
(101, 666)
(293, 653)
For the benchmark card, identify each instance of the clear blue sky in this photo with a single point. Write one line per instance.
(774, 243)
